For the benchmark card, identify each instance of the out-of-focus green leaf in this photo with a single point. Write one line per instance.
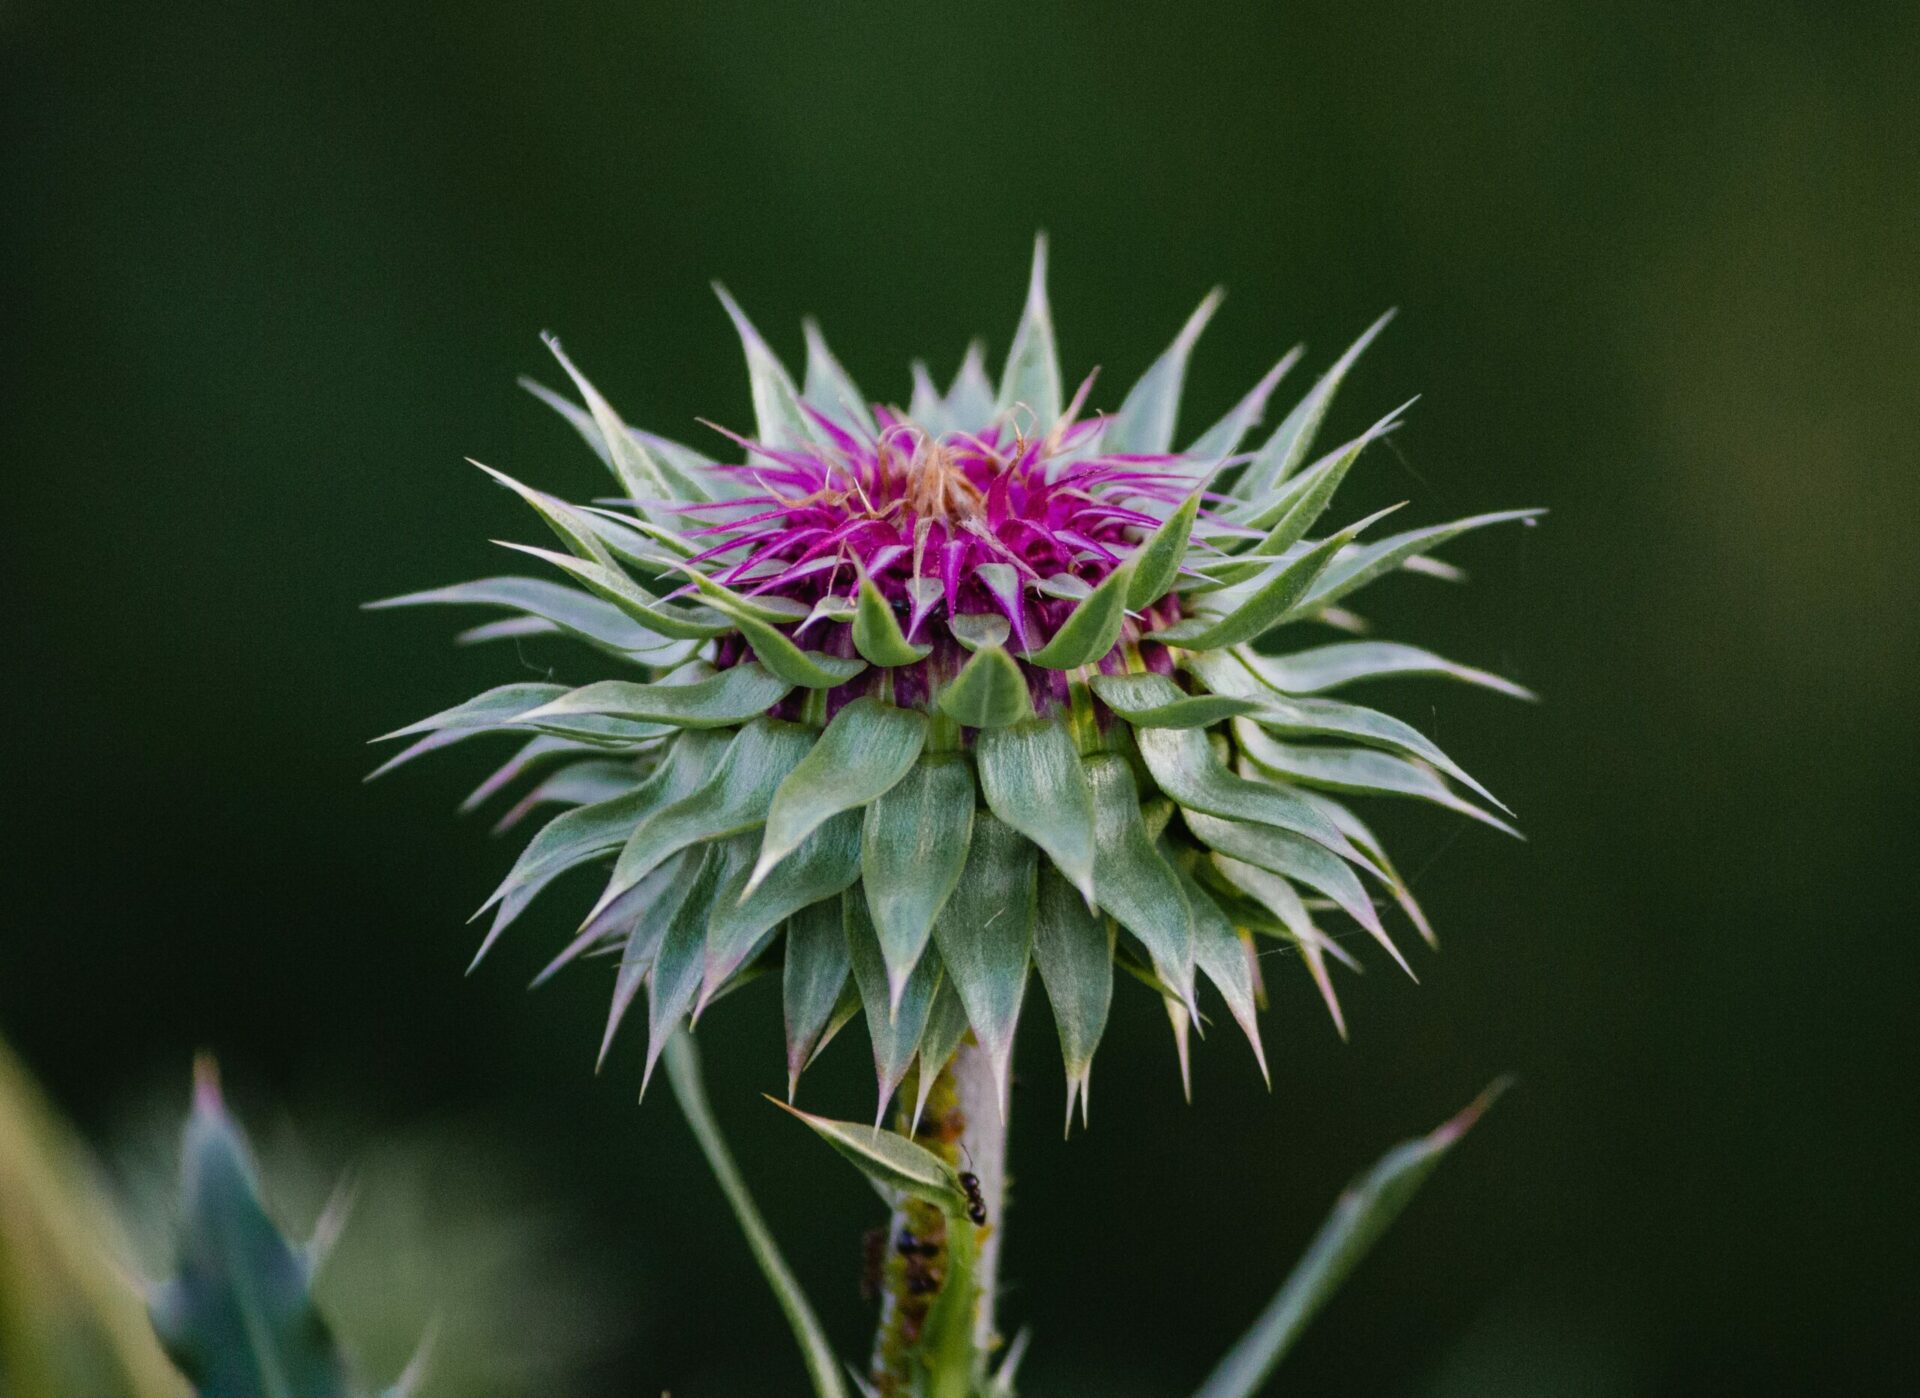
(1032, 375)
(781, 422)
(811, 982)
(912, 850)
(1091, 628)
(970, 396)
(895, 1164)
(1031, 776)
(1154, 701)
(1073, 949)
(238, 1317)
(829, 387)
(1130, 879)
(732, 697)
(1148, 414)
(989, 692)
(985, 936)
(1362, 1214)
(1349, 662)
(866, 749)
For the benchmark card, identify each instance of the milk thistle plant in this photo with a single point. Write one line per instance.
(901, 704)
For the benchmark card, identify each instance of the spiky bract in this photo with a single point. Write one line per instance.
(909, 702)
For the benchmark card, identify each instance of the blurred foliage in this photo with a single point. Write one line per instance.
(266, 277)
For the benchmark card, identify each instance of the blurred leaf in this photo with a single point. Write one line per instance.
(1362, 1215)
(573, 612)
(1032, 374)
(1145, 420)
(1223, 439)
(829, 387)
(781, 422)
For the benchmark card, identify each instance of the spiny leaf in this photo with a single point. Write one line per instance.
(829, 387)
(585, 617)
(1258, 608)
(1186, 768)
(1348, 662)
(1218, 951)
(679, 964)
(876, 631)
(1223, 439)
(807, 668)
(1132, 882)
(1091, 628)
(1033, 364)
(890, 1160)
(734, 800)
(1031, 777)
(912, 851)
(238, 1317)
(866, 749)
(497, 708)
(1147, 416)
(989, 692)
(1154, 701)
(1375, 560)
(946, 1027)
(732, 697)
(781, 422)
(970, 396)
(1363, 772)
(985, 936)
(572, 527)
(1073, 950)
(895, 1030)
(647, 480)
(1274, 895)
(1363, 1213)
(1291, 441)
(825, 863)
(810, 983)
(1356, 830)
(1157, 564)
(611, 583)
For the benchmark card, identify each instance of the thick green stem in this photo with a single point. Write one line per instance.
(938, 1273)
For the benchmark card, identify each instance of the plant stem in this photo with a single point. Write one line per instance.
(683, 1072)
(922, 1317)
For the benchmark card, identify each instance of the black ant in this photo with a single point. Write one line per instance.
(976, 1206)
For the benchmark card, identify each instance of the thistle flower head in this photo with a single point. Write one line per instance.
(909, 702)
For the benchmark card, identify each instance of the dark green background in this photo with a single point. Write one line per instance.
(269, 272)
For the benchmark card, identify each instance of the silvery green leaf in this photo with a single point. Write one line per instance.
(1227, 961)
(647, 480)
(811, 982)
(1362, 772)
(1374, 560)
(1091, 628)
(420, 747)
(1147, 416)
(865, 749)
(1291, 441)
(1348, 662)
(636, 927)
(572, 527)
(733, 696)
(912, 851)
(586, 617)
(781, 422)
(1363, 1213)
(985, 936)
(1277, 897)
(829, 387)
(895, 1031)
(808, 668)
(1247, 612)
(533, 754)
(989, 692)
(592, 832)
(970, 396)
(1032, 375)
(926, 409)
(1223, 439)
(978, 630)
(1031, 777)
(895, 1164)
(876, 631)
(681, 462)
(1356, 830)
(496, 708)
(516, 628)
(238, 1317)
(674, 979)
(824, 864)
(1073, 950)
(1304, 506)
(1065, 586)
(946, 1027)
(1157, 564)
(1132, 882)
(1186, 768)
(1281, 852)
(733, 801)
(1154, 701)
(608, 581)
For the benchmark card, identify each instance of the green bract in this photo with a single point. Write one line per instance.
(909, 702)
